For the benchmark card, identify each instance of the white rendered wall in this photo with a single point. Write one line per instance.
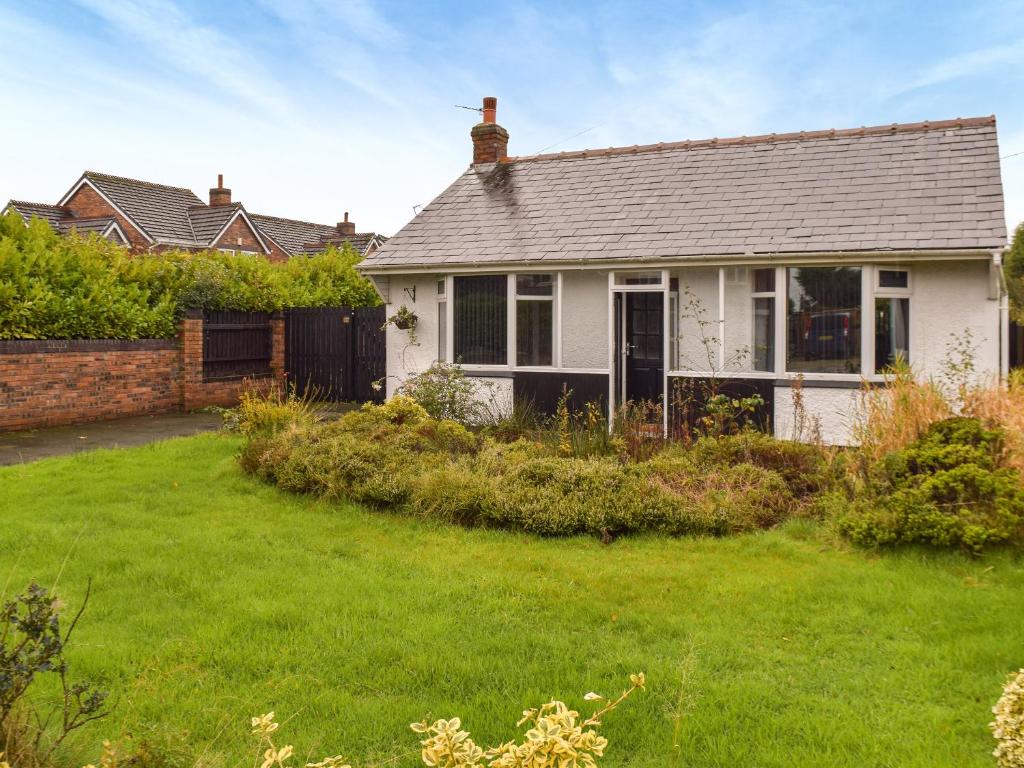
(411, 353)
(698, 314)
(585, 320)
(949, 297)
(830, 414)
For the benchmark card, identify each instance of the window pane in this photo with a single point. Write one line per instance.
(534, 285)
(893, 278)
(638, 278)
(892, 332)
(824, 319)
(764, 280)
(442, 331)
(764, 334)
(534, 331)
(440, 287)
(481, 320)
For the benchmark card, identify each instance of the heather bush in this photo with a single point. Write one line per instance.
(805, 468)
(951, 488)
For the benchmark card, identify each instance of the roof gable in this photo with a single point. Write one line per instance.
(160, 212)
(915, 187)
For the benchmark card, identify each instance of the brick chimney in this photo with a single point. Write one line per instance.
(219, 195)
(346, 227)
(490, 140)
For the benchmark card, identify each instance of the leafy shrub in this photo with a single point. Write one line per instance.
(32, 644)
(72, 287)
(1008, 726)
(948, 488)
(444, 392)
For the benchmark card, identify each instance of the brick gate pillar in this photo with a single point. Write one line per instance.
(192, 359)
(277, 343)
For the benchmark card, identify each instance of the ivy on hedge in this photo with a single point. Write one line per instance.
(71, 287)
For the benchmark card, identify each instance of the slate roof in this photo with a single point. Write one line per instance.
(920, 186)
(52, 214)
(160, 210)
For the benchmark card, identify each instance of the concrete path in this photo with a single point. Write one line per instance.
(31, 445)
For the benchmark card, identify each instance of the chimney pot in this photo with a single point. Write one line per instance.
(347, 227)
(220, 195)
(490, 140)
(490, 109)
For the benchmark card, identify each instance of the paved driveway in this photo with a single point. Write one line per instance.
(34, 444)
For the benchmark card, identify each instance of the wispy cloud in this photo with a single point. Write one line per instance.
(203, 52)
(968, 64)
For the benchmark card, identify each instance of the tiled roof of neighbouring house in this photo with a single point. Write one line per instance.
(291, 234)
(52, 214)
(161, 211)
(920, 186)
(176, 217)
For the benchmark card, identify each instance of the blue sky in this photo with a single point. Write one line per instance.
(311, 107)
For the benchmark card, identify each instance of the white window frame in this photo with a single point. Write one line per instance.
(878, 292)
(515, 298)
(754, 296)
(448, 302)
(442, 311)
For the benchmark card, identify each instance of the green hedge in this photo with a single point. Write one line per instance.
(71, 287)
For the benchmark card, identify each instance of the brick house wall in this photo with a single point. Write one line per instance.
(86, 203)
(239, 237)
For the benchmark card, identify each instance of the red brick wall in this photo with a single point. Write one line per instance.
(85, 203)
(198, 393)
(44, 383)
(238, 236)
(47, 383)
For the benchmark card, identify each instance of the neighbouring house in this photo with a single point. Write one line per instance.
(624, 273)
(147, 216)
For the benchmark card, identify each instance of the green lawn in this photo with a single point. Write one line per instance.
(216, 598)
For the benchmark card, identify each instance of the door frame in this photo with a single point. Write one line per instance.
(617, 334)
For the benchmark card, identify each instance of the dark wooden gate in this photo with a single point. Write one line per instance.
(235, 345)
(335, 353)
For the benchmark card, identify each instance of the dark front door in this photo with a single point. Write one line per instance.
(645, 348)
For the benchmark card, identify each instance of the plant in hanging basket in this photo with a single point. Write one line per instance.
(404, 319)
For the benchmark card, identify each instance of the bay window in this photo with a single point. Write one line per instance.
(480, 319)
(535, 319)
(823, 320)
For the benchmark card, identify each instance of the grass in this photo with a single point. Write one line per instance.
(216, 598)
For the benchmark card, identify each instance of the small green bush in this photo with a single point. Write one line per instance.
(949, 488)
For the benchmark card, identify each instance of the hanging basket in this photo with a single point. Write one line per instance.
(404, 319)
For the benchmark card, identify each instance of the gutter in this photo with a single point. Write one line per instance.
(665, 262)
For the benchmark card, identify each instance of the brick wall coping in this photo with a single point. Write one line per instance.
(35, 346)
